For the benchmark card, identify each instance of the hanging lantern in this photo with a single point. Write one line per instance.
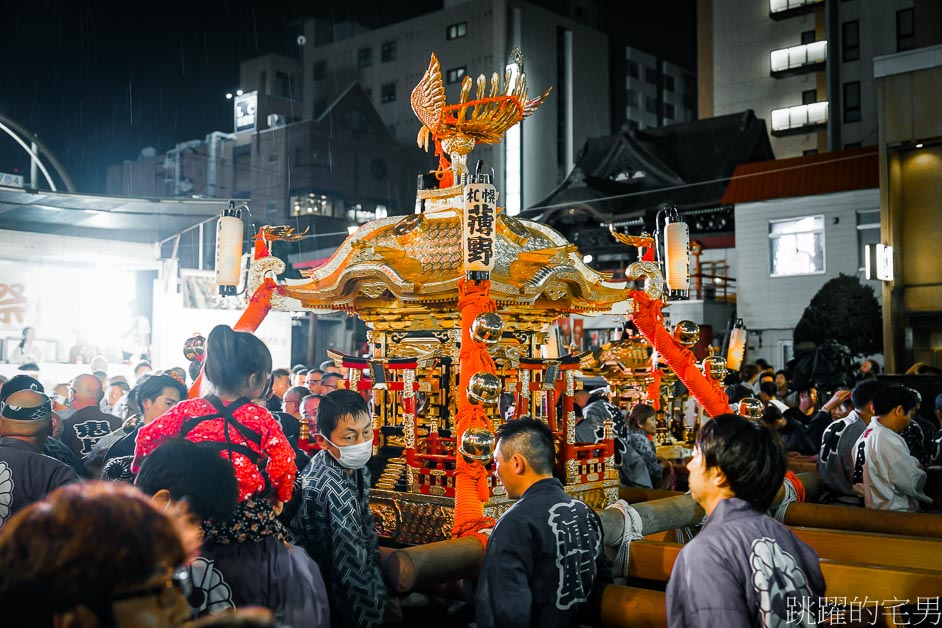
(229, 250)
(736, 352)
(676, 255)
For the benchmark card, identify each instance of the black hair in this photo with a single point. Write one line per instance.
(140, 364)
(864, 392)
(749, 371)
(763, 364)
(298, 367)
(301, 372)
(232, 357)
(750, 456)
(154, 386)
(530, 438)
(321, 371)
(640, 413)
(101, 375)
(336, 405)
(874, 366)
(124, 386)
(330, 374)
(782, 372)
(326, 364)
(885, 400)
(20, 382)
(300, 391)
(768, 388)
(194, 472)
(281, 373)
(23, 341)
(771, 415)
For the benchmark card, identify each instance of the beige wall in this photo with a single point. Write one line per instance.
(911, 207)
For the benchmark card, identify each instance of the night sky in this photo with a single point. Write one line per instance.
(100, 80)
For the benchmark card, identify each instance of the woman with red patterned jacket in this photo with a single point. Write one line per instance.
(236, 370)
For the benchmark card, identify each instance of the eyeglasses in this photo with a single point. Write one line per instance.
(334, 386)
(178, 582)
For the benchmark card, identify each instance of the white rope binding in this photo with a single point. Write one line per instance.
(791, 497)
(632, 532)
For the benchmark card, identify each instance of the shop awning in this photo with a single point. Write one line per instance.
(117, 218)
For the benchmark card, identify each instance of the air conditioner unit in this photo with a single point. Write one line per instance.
(275, 120)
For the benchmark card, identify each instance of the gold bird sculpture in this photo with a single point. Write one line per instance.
(483, 119)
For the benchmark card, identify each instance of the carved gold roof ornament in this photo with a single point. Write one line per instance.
(481, 120)
(401, 273)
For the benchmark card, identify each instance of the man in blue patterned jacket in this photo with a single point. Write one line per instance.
(544, 559)
(334, 523)
(744, 568)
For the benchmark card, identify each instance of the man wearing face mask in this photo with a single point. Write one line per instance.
(334, 523)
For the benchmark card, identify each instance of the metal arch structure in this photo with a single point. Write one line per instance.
(21, 135)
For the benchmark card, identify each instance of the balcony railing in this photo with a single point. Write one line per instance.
(797, 119)
(804, 58)
(786, 8)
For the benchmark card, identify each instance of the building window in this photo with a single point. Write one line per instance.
(852, 102)
(632, 96)
(668, 111)
(850, 40)
(868, 232)
(356, 121)
(456, 74)
(387, 51)
(632, 68)
(284, 83)
(796, 246)
(387, 92)
(668, 83)
(807, 37)
(364, 57)
(457, 30)
(320, 70)
(650, 105)
(905, 29)
(650, 75)
(315, 205)
(809, 96)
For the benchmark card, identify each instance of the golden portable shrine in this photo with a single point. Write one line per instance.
(458, 300)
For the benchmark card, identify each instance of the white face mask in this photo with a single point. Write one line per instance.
(353, 456)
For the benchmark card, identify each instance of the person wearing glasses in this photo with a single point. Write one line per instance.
(58, 572)
(313, 382)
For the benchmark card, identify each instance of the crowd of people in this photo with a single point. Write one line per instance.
(130, 504)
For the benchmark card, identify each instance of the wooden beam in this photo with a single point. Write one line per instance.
(624, 607)
(878, 549)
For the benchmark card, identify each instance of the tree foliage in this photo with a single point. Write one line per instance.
(846, 311)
